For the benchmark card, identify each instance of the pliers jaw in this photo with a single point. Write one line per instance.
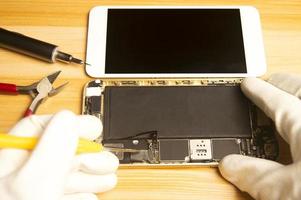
(32, 89)
(41, 90)
(56, 90)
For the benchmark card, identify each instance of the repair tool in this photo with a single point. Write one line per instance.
(39, 91)
(35, 48)
(84, 145)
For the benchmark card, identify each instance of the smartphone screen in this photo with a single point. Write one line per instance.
(142, 41)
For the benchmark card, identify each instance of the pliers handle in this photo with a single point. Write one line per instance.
(8, 88)
(13, 89)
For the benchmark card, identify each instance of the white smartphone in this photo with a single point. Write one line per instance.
(171, 42)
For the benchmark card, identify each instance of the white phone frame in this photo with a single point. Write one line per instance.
(252, 36)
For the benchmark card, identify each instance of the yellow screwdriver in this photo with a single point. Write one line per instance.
(29, 143)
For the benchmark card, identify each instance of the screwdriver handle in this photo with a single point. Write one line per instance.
(29, 143)
(27, 45)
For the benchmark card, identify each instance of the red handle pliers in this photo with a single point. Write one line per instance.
(39, 91)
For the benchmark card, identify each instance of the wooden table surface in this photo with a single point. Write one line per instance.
(65, 23)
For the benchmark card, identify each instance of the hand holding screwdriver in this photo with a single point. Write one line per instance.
(53, 170)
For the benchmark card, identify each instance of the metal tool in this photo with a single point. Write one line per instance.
(35, 48)
(122, 150)
(39, 91)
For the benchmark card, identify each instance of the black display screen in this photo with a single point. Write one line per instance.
(174, 41)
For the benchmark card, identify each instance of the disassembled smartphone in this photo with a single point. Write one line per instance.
(179, 121)
(169, 83)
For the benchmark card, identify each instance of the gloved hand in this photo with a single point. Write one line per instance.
(52, 171)
(264, 179)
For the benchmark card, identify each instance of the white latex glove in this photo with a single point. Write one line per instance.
(52, 171)
(264, 179)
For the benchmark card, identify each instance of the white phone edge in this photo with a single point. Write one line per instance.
(252, 36)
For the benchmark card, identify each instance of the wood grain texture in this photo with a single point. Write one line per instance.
(64, 23)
